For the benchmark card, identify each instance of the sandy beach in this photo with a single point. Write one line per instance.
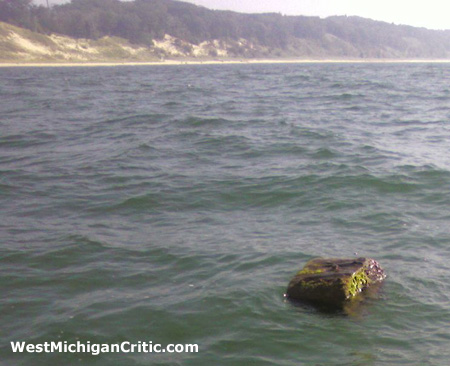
(215, 62)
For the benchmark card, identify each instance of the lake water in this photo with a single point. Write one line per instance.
(173, 204)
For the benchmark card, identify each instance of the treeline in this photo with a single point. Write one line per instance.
(141, 21)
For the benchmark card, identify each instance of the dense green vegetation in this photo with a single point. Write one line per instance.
(141, 21)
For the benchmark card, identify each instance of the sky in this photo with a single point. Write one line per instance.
(433, 14)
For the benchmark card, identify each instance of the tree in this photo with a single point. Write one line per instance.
(16, 12)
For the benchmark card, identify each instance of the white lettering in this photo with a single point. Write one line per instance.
(72, 348)
(179, 348)
(191, 348)
(55, 347)
(81, 347)
(115, 348)
(122, 347)
(30, 348)
(39, 348)
(96, 348)
(17, 346)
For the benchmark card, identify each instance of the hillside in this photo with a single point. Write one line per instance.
(150, 30)
(19, 45)
(22, 45)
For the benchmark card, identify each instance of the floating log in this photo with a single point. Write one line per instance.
(333, 282)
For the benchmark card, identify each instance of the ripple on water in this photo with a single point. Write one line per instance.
(175, 204)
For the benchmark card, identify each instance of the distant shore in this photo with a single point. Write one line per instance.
(215, 62)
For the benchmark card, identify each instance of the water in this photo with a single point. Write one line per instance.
(173, 204)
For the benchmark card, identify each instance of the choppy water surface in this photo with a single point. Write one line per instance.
(174, 204)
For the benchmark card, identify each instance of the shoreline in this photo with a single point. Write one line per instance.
(216, 62)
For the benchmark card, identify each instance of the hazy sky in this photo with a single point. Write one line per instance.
(432, 14)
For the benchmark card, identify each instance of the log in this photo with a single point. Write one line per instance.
(333, 282)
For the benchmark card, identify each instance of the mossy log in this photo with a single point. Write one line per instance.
(332, 282)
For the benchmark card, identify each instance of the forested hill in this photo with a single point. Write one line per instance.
(143, 22)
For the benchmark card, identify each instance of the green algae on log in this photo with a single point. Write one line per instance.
(333, 282)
